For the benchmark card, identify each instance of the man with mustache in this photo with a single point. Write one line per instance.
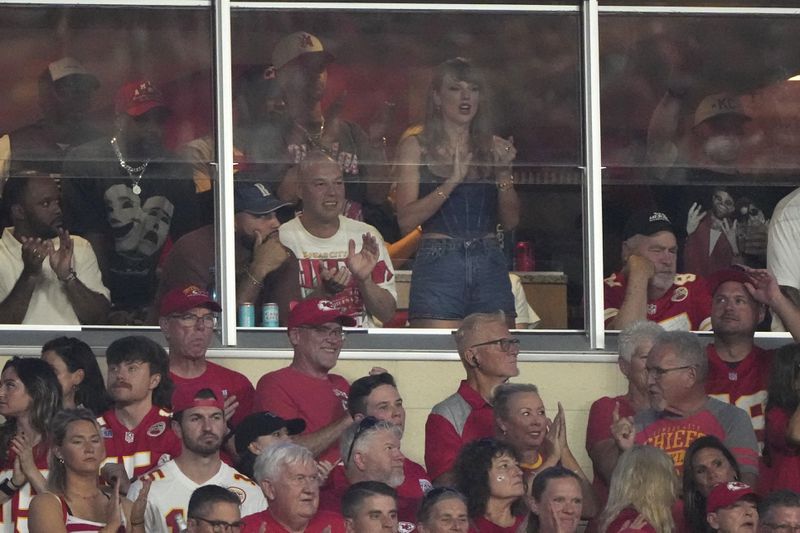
(199, 422)
(136, 430)
(263, 272)
(738, 370)
(648, 287)
(47, 276)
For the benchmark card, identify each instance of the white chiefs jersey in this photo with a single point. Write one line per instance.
(171, 489)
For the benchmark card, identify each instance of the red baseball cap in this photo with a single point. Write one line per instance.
(185, 397)
(137, 98)
(182, 299)
(726, 494)
(727, 274)
(317, 311)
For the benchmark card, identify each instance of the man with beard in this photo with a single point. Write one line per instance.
(265, 270)
(47, 276)
(370, 450)
(648, 287)
(136, 430)
(199, 423)
(302, 73)
(126, 195)
(187, 320)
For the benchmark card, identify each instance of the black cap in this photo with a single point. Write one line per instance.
(258, 424)
(646, 222)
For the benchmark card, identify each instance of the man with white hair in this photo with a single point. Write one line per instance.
(287, 474)
(634, 342)
(371, 452)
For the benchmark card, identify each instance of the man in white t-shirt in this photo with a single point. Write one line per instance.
(47, 276)
(359, 284)
(199, 422)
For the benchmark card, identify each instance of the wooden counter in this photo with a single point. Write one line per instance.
(546, 293)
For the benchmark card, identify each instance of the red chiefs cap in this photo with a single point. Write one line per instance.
(315, 312)
(726, 494)
(182, 299)
(185, 397)
(137, 98)
(727, 274)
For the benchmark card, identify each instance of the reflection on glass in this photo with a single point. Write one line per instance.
(697, 125)
(354, 84)
(102, 108)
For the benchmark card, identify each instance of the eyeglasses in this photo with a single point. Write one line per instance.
(657, 372)
(190, 320)
(366, 423)
(505, 343)
(221, 526)
(301, 480)
(328, 333)
(783, 528)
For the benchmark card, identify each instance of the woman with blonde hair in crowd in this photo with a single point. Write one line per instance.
(75, 501)
(642, 492)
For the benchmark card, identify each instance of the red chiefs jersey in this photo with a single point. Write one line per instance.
(685, 306)
(14, 513)
(150, 444)
(742, 384)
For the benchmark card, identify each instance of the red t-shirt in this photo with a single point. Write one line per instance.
(290, 393)
(742, 384)
(459, 419)
(231, 382)
(674, 434)
(629, 514)
(150, 444)
(785, 457)
(14, 513)
(483, 525)
(685, 306)
(322, 521)
(601, 416)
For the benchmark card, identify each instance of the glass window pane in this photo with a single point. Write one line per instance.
(374, 95)
(102, 100)
(698, 123)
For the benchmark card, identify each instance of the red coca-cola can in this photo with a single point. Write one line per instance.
(524, 259)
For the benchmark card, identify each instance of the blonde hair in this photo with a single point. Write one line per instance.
(645, 480)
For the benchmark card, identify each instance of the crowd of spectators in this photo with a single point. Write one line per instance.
(116, 229)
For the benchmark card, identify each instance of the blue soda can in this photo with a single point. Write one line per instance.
(269, 315)
(247, 315)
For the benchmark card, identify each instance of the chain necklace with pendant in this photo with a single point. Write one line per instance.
(135, 173)
(314, 139)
